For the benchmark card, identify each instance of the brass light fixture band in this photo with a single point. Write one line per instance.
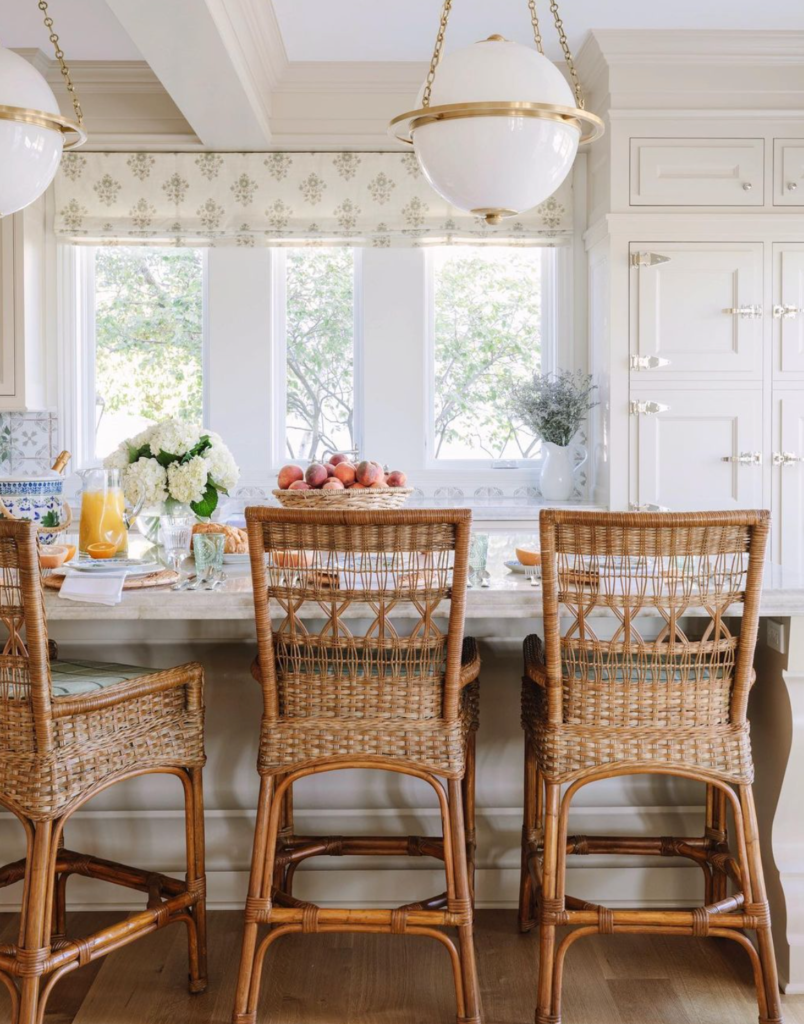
(403, 126)
(43, 119)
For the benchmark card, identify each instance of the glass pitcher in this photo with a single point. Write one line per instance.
(104, 517)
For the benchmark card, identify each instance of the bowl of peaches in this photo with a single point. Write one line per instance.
(341, 484)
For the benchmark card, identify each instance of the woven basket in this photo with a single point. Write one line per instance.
(370, 498)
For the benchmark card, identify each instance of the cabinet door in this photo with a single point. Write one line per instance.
(788, 483)
(7, 307)
(788, 311)
(678, 453)
(697, 172)
(788, 172)
(685, 309)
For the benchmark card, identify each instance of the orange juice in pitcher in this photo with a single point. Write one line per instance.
(103, 512)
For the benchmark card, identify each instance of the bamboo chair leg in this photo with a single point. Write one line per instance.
(529, 826)
(716, 831)
(458, 853)
(759, 898)
(548, 1007)
(245, 1009)
(468, 797)
(35, 928)
(196, 876)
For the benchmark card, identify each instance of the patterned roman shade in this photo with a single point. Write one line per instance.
(274, 199)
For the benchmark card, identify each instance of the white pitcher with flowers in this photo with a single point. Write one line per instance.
(173, 464)
(554, 406)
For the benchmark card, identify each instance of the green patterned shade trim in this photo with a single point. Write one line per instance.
(74, 677)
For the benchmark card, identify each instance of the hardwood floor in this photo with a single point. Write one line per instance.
(346, 979)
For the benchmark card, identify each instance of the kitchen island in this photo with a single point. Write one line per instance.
(161, 627)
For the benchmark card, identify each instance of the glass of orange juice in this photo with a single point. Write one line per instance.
(103, 511)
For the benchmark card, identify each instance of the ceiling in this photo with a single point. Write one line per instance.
(404, 30)
(396, 30)
(87, 29)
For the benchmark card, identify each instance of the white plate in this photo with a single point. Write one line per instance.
(525, 570)
(239, 559)
(102, 567)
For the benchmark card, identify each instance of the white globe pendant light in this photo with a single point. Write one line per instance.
(497, 127)
(32, 131)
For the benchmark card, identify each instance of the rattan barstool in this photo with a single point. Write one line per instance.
(380, 685)
(69, 730)
(666, 694)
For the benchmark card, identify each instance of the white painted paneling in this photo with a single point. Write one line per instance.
(789, 482)
(7, 304)
(695, 172)
(788, 163)
(680, 450)
(789, 292)
(681, 308)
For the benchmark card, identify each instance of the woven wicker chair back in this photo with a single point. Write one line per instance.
(670, 583)
(25, 707)
(358, 602)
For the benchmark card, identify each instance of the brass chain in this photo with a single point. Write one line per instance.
(537, 32)
(79, 113)
(439, 46)
(562, 38)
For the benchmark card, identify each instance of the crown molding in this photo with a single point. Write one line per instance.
(369, 77)
(682, 46)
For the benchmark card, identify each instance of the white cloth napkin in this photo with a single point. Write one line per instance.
(106, 589)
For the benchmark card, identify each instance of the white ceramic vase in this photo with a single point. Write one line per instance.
(559, 463)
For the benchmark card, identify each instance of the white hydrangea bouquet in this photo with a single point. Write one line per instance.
(175, 462)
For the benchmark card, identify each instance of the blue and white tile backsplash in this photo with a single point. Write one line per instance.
(29, 442)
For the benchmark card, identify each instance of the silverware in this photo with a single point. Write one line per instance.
(485, 578)
(200, 578)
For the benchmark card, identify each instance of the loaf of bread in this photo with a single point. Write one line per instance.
(236, 542)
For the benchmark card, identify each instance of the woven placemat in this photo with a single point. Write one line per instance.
(161, 578)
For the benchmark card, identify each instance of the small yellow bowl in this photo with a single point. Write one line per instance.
(529, 556)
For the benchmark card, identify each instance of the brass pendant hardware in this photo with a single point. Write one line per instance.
(786, 312)
(648, 259)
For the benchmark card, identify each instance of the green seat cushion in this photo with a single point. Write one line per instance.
(74, 677)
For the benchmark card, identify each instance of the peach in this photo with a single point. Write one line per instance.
(346, 473)
(330, 469)
(396, 479)
(287, 474)
(336, 460)
(357, 487)
(333, 485)
(369, 473)
(299, 485)
(379, 485)
(316, 474)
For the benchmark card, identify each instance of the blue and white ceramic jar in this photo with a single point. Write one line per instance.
(39, 499)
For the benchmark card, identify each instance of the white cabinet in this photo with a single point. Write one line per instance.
(788, 172)
(23, 361)
(698, 308)
(697, 172)
(788, 479)
(788, 309)
(696, 449)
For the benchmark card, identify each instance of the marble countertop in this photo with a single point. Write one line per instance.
(508, 596)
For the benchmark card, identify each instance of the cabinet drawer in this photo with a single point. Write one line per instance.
(697, 172)
(788, 172)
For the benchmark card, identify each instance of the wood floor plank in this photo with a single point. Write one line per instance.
(360, 979)
(73, 988)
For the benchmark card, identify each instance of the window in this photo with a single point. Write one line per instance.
(147, 360)
(319, 351)
(487, 334)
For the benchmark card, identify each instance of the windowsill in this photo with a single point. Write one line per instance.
(499, 508)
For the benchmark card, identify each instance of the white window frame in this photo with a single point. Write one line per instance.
(553, 271)
(279, 455)
(76, 286)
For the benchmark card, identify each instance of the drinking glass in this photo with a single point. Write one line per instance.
(208, 551)
(478, 553)
(177, 532)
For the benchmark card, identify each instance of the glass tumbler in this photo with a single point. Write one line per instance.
(208, 552)
(478, 554)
